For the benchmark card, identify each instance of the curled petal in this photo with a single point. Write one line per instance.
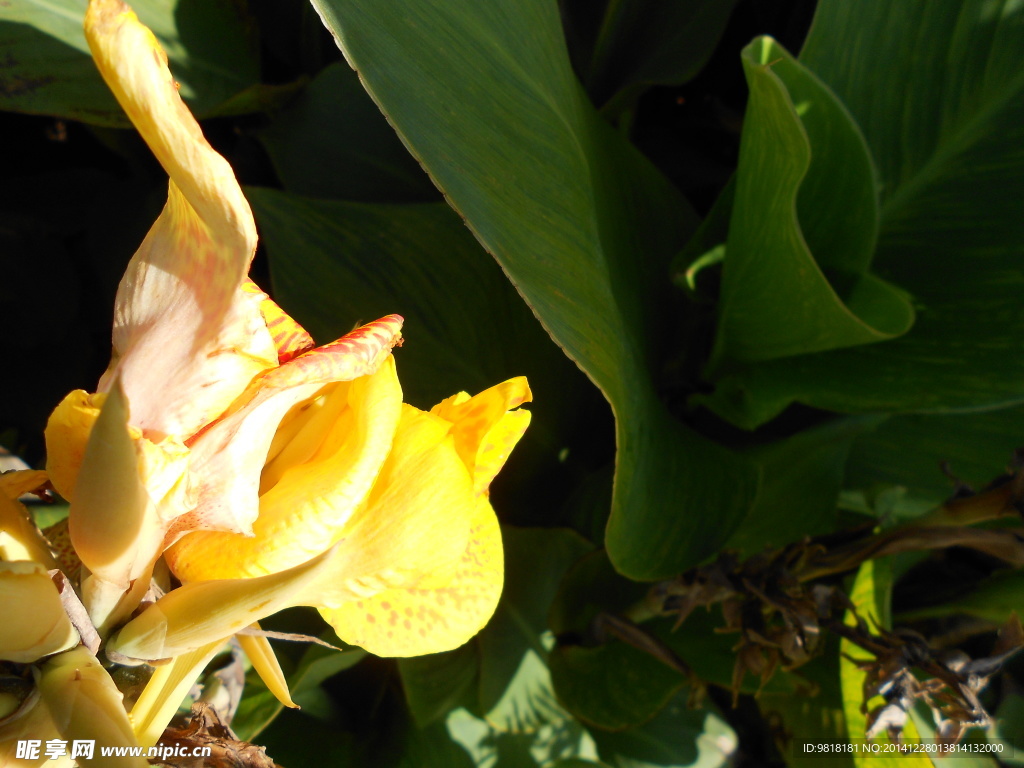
(187, 338)
(485, 428)
(36, 624)
(415, 621)
(230, 454)
(325, 472)
(264, 661)
(21, 481)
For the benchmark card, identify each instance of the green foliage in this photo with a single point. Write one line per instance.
(759, 297)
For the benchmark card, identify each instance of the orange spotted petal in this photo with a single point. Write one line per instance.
(485, 428)
(290, 338)
(331, 469)
(187, 339)
(416, 621)
(231, 453)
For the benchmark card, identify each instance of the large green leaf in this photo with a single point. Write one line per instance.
(805, 211)
(332, 141)
(938, 91)
(801, 480)
(48, 70)
(484, 96)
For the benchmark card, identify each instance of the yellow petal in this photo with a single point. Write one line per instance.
(165, 691)
(187, 338)
(85, 704)
(414, 526)
(201, 612)
(414, 622)
(36, 624)
(67, 432)
(264, 661)
(229, 456)
(485, 428)
(19, 537)
(304, 512)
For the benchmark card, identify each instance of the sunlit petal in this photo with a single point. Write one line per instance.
(303, 513)
(230, 454)
(264, 661)
(19, 537)
(165, 691)
(485, 428)
(201, 612)
(289, 337)
(187, 338)
(413, 622)
(414, 526)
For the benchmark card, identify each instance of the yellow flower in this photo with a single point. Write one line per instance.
(267, 473)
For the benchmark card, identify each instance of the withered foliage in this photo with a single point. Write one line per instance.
(205, 729)
(783, 602)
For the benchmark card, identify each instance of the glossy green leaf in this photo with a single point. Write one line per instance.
(515, 685)
(333, 142)
(643, 42)
(483, 95)
(870, 594)
(48, 69)
(803, 225)
(941, 105)
(677, 737)
(801, 480)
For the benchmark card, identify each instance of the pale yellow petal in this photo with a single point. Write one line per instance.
(67, 433)
(36, 624)
(414, 622)
(414, 526)
(201, 612)
(260, 653)
(304, 512)
(165, 691)
(85, 704)
(187, 338)
(34, 724)
(485, 428)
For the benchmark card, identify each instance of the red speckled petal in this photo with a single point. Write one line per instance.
(186, 339)
(290, 338)
(417, 621)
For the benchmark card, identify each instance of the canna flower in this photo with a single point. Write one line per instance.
(265, 471)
